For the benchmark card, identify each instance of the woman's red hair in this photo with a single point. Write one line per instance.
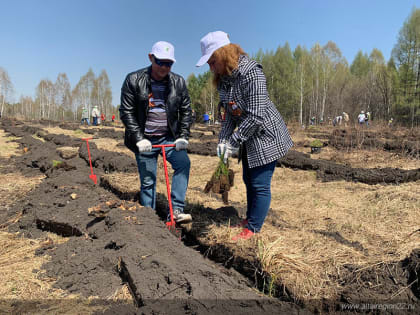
(228, 55)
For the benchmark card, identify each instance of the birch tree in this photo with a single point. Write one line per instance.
(6, 88)
(85, 88)
(330, 58)
(301, 62)
(102, 94)
(62, 94)
(45, 98)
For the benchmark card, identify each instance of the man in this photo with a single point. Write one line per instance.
(367, 118)
(346, 119)
(155, 109)
(85, 116)
(361, 118)
(312, 120)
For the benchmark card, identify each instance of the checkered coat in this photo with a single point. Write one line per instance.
(250, 118)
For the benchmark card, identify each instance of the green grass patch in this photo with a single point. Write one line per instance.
(317, 144)
(56, 163)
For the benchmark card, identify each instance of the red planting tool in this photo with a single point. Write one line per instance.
(91, 176)
(171, 224)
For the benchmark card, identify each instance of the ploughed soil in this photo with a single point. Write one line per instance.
(328, 170)
(112, 239)
(345, 139)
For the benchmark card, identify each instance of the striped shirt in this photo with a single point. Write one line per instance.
(156, 122)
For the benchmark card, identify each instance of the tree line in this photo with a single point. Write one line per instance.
(302, 83)
(320, 83)
(57, 100)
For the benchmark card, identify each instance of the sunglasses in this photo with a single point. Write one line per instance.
(162, 63)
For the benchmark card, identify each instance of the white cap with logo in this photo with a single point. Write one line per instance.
(210, 43)
(163, 50)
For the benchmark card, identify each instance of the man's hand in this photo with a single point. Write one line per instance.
(144, 146)
(229, 152)
(181, 144)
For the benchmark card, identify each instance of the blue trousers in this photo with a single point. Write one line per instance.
(85, 119)
(147, 167)
(258, 192)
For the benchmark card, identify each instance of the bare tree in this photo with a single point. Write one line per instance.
(62, 94)
(6, 88)
(101, 93)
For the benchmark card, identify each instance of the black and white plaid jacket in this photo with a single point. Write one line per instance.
(248, 108)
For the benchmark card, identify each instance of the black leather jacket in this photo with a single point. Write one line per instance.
(135, 101)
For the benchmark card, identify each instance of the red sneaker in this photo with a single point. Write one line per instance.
(245, 235)
(243, 223)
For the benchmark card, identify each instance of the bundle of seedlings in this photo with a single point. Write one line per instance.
(221, 181)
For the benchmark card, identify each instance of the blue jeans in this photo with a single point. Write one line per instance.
(258, 192)
(85, 119)
(147, 166)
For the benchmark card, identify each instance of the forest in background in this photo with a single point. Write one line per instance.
(302, 84)
(320, 83)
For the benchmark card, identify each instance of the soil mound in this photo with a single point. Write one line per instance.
(111, 241)
(347, 139)
(330, 171)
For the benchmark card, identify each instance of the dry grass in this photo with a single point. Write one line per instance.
(14, 185)
(7, 147)
(20, 276)
(112, 145)
(102, 143)
(375, 158)
(379, 220)
(78, 133)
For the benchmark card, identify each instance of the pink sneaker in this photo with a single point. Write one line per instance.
(245, 235)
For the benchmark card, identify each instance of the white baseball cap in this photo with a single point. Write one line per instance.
(163, 50)
(210, 43)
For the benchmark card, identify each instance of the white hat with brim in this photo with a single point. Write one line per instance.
(163, 50)
(210, 43)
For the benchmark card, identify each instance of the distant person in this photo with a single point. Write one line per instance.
(103, 117)
(390, 122)
(346, 119)
(337, 121)
(252, 123)
(312, 122)
(95, 115)
(85, 116)
(361, 118)
(206, 119)
(367, 118)
(113, 117)
(162, 117)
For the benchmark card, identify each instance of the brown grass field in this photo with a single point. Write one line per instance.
(383, 220)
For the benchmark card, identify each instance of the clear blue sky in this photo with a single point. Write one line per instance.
(41, 38)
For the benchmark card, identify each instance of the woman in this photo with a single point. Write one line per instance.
(251, 121)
